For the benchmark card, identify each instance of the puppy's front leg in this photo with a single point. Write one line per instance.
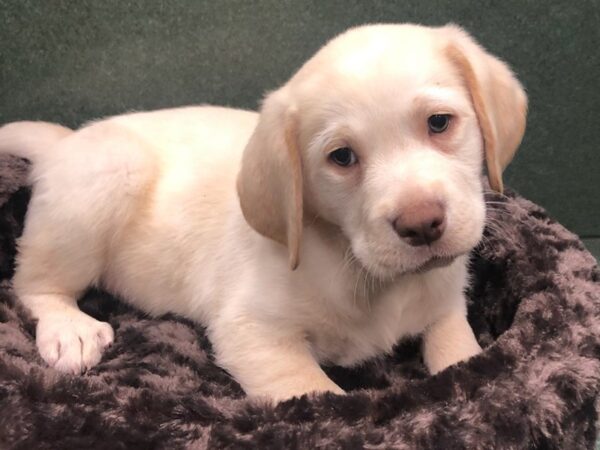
(269, 363)
(448, 341)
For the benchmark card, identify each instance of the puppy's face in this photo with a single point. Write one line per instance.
(390, 127)
(393, 153)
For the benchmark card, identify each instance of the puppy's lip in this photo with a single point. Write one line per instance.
(435, 262)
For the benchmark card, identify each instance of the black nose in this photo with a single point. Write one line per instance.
(421, 224)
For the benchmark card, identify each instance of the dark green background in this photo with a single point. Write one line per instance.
(71, 61)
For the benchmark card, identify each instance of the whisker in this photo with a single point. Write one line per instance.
(356, 286)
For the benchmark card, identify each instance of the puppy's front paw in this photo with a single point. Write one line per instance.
(284, 390)
(72, 342)
(449, 341)
(438, 362)
(437, 358)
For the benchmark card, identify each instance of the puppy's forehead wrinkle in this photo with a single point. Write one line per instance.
(446, 95)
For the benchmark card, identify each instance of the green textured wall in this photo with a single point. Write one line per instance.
(70, 61)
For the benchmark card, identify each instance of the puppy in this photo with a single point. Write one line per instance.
(321, 231)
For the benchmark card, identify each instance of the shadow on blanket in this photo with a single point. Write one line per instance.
(534, 306)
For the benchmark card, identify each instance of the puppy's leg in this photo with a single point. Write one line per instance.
(448, 341)
(268, 363)
(57, 261)
(84, 194)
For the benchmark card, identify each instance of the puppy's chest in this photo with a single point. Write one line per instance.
(362, 328)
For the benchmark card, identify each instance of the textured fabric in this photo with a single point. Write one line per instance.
(534, 306)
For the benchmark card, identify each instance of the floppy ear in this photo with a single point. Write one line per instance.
(498, 98)
(270, 181)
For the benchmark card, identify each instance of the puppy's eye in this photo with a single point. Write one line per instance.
(438, 123)
(344, 157)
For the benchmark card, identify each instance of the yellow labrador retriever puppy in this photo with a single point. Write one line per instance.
(319, 232)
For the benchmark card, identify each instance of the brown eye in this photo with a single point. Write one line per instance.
(438, 123)
(343, 157)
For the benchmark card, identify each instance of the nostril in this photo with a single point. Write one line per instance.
(437, 223)
(408, 233)
(434, 230)
(403, 230)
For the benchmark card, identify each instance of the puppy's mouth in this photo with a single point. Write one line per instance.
(435, 262)
(391, 272)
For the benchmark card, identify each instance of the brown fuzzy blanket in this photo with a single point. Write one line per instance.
(534, 306)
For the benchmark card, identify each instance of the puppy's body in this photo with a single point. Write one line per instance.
(145, 205)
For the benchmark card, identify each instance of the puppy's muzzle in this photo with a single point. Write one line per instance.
(421, 224)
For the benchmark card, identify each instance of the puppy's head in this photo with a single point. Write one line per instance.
(383, 133)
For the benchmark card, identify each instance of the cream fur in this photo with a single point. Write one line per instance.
(145, 205)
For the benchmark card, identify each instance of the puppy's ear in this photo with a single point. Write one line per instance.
(270, 181)
(498, 98)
